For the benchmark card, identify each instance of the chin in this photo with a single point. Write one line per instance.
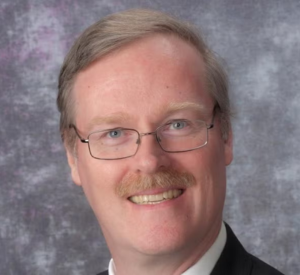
(161, 241)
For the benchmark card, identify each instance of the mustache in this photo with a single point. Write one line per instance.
(135, 183)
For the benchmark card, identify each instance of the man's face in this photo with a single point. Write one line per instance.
(137, 87)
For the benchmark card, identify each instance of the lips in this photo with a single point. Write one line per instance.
(156, 198)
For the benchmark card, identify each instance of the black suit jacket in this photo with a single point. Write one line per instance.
(235, 260)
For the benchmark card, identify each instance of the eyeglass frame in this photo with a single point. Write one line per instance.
(140, 135)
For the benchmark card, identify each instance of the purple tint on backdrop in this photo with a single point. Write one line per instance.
(46, 225)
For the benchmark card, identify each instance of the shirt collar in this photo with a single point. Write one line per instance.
(205, 264)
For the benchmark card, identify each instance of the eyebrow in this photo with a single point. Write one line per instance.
(182, 106)
(110, 119)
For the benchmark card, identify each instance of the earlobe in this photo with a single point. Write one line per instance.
(228, 148)
(73, 166)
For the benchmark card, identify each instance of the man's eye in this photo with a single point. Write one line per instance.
(115, 133)
(177, 125)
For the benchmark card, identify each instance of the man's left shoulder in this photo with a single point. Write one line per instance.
(235, 260)
(259, 267)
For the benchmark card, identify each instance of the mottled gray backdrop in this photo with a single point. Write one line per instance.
(46, 226)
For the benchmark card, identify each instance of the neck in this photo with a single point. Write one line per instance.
(173, 263)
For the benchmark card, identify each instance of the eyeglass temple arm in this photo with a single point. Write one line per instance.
(80, 138)
(211, 125)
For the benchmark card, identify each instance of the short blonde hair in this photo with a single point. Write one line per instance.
(117, 30)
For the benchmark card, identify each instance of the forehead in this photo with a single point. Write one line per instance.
(142, 80)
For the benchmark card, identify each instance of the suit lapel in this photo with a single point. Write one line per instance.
(234, 259)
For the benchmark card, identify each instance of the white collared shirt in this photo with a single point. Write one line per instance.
(205, 264)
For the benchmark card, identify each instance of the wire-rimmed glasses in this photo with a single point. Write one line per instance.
(176, 136)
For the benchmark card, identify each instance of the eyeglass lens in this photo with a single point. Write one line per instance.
(122, 143)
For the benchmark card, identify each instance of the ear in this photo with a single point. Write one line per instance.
(228, 150)
(72, 160)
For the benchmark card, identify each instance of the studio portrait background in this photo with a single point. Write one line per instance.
(46, 225)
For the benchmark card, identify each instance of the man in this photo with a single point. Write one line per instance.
(145, 119)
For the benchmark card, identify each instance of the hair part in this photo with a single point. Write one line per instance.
(116, 30)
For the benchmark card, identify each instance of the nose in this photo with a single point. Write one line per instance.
(150, 158)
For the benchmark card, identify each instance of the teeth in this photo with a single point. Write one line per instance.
(157, 198)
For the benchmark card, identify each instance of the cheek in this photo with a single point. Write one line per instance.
(99, 179)
(95, 173)
(208, 167)
(206, 161)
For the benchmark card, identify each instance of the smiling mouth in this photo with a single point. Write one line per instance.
(156, 198)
